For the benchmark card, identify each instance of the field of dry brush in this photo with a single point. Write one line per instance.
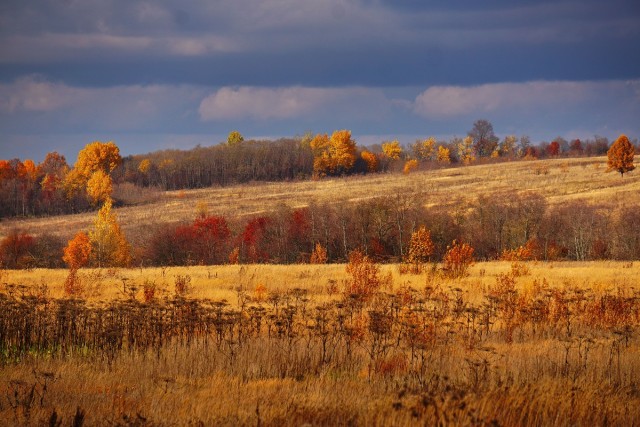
(510, 344)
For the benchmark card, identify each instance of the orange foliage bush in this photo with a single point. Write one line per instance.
(319, 255)
(366, 278)
(78, 250)
(458, 259)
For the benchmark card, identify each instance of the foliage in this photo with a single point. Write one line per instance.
(335, 155)
(465, 150)
(392, 150)
(421, 247)
(444, 155)
(234, 138)
(529, 251)
(410, 165)
(366, 278)
(99, 187)
(620, 156)
(507, 147)
(319, 255)
(144, 166)
(371, 160)
(458, 259)
(424, 150)
(553, 149)
(109, 245)
(98, 156)
(78, 251)
(16, 250)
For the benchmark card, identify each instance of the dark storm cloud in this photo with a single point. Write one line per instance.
(137, 70)
(312, 42)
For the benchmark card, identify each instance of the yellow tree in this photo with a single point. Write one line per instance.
(620, 156)
(465, 151)
(96, 156)
(444, 155)
(424, 150)
(234, 138)
(342, 151)
(109, 245)
(144, 166)
(334, 155)
(392, 149)
(99, 187)
(320, 148)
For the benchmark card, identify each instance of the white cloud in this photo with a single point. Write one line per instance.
(288, 102)
(116, 107)
(449, 101)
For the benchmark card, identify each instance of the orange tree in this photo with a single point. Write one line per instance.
(620, 156)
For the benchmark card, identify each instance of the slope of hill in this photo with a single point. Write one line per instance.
(558, 180)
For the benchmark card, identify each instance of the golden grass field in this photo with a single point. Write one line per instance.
(578, 366)
(223, 281)
(558, 180)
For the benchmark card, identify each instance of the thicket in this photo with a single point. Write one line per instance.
(496, 227)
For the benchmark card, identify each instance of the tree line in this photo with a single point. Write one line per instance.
(498, 226)
(54, 187)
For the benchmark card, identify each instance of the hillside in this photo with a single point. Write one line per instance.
(558, 180)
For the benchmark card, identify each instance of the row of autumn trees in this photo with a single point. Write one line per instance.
(54, 187)
(500, 226)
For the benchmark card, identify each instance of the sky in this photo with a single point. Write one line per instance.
(153, 75)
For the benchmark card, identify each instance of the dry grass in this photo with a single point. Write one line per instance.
(223, 281)
(578, 366)
(559, 180)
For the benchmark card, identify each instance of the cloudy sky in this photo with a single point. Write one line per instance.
(161, 74)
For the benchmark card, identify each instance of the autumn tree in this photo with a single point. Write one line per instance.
(484, 140)
(99, 187)
(424, 150)
(96, 157)
(553, 149)
(234, 138)
(371, 160)
(334, 155)
(16, 250)
(392, 150)
(444, 155)
(109, 245)
(458, 259)
(421, 248)
(77, 252)
(507, 147)
(620, 156)
(465, 151)
(319, 255)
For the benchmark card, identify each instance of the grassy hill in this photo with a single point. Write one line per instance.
(558, 180)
